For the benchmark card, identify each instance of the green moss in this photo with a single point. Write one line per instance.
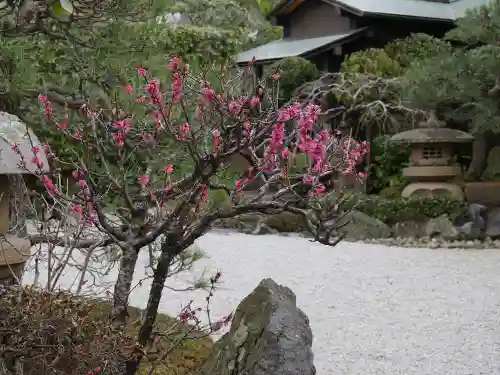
(219, 199)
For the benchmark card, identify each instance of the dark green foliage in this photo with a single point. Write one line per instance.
(388, 161)
(462, 86)
(458, 87)
(294, 72)
(417, 47)
(391, 211)
(479, 26)
(395, 58)
(374, 61)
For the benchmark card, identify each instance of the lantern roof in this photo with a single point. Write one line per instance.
(14, 134)
(432, 131)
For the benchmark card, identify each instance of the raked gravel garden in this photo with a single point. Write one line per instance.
(373, 309)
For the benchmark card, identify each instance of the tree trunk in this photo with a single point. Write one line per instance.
(159, 278)
(122, 287)
(479, 155)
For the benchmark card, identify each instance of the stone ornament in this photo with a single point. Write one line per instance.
(432, 166)
(14, 132)
(15, 251)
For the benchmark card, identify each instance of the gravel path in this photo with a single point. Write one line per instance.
(373, 309)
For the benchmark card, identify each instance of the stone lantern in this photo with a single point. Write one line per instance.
(432, 166)
(14, 250)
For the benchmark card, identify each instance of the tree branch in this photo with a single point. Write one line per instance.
(36, 239)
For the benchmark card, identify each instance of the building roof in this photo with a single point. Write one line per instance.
(289, 47)
(415, 8)
(427, 9)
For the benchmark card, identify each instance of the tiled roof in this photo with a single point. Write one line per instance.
(415, 8)
(431, 9)
(282, 48)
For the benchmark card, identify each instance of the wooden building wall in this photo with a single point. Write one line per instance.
(315, 18)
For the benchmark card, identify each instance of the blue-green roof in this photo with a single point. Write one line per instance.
(414, 8)
(282, 48)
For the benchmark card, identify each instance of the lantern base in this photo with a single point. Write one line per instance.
(14, 252)
(433, 189)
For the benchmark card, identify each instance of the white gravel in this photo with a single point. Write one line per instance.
(373, 309)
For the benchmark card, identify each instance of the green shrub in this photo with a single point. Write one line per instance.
(218, 198)
(393, 210)
(396, 57)
(294, 72)
(388, 161)
(374, 61)
(299, 165)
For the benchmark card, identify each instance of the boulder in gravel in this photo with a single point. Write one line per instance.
(360, 226)
(472, 223)
(409, 229)
(269, 335)
(441, 227)
(493, 223)
(469, 230)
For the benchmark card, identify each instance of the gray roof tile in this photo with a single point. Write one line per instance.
(282, 48)
(415, 8)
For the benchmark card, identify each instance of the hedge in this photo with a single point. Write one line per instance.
(391, 211)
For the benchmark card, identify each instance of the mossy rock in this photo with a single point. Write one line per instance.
(286, 222)
(359, 226)
(441, 226)
(269, 334)
(410, 229)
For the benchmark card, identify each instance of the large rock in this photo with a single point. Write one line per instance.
(360, 226)
(269, 335)
(286, 222)
(472, 224)
(409, 229)
(441, 226)
(493, 223)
